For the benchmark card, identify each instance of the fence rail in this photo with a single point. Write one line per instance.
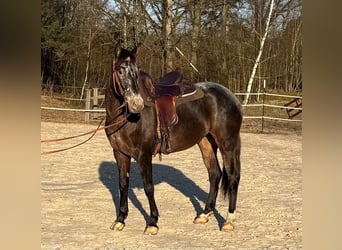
(270, 94)
(75, 110)
(92, 107)
(294, 105)
(271, 118)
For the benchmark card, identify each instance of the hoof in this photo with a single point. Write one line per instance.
(227, 227)
(151, 230)
(203, 218)
(118, 226)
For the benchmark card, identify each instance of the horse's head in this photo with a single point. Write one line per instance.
(125, 79)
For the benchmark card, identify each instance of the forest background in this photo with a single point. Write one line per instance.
(221, 38)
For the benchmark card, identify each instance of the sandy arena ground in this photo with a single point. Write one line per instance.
(79, 196)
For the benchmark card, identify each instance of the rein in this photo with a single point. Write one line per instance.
(117, 85)
(119, 123)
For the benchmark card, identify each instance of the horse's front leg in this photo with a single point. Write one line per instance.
(124, 164)
(146, 174)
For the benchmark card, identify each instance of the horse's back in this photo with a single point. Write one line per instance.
(225, 101)
(221, 93)
(218, 112)
(226, 110)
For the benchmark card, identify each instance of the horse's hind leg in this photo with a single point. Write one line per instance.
(230, 150)
(208, 149)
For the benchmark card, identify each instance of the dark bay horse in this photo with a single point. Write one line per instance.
(212, 122)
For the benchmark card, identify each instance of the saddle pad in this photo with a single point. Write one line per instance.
(197, 94)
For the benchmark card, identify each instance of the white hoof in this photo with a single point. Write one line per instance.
(118, 226)
(151, 230)
(203, 218)
(227, 227)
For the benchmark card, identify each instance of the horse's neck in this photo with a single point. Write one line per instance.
(146, 85)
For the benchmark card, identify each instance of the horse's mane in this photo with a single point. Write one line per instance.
(146, 82)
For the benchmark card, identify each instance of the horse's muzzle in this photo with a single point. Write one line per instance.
(135, 103)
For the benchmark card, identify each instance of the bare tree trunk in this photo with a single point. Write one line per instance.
(294, 61)
(86, 78)
(224, 18)
(167, 29)
(196, 28)
(125, 30)
(250, 82)
(224, 40)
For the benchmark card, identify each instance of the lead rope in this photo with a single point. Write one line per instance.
(120, 122)
(74, 146)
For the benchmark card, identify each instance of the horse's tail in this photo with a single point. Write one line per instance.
(224, 182)
(231, 164)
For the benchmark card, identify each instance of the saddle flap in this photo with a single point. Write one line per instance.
(166, 118)
(167, 111)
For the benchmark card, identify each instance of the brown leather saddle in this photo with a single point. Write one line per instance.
(170, 91)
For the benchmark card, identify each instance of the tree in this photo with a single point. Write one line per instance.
(167, 31)
(196, 30)
(257, 60)
(224, 39)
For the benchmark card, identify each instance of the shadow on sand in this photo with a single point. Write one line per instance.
(109, 176)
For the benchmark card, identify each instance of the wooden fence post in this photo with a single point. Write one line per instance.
(263, 106)
(95, 98)
(87, 104)
(95, 102)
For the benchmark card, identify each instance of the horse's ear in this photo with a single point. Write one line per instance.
(117, 51)
(134, 50)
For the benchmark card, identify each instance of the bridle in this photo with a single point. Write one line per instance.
(117, 122)
(117, 84)
(118, 88)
